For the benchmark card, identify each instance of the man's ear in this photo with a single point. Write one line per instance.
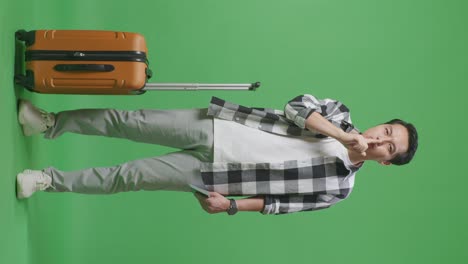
(385, 163)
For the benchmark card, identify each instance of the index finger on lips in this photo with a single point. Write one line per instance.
(360, 147)
(373, 141)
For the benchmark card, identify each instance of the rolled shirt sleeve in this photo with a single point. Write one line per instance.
(301, 107)
(286, 204)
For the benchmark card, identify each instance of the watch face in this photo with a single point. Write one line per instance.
(232, 208)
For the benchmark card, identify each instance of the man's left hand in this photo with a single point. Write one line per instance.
(215, 203)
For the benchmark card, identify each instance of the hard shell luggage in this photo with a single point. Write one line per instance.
(94, 62)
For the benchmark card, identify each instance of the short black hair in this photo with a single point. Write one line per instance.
(406, 157)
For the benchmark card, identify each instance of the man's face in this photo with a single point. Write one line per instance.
(394, 141)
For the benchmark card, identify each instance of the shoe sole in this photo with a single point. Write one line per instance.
(19, 190)
(22, 108)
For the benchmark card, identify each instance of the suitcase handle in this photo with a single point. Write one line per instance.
(84, 67)
(201, 86)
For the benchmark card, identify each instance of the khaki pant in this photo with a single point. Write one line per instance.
(187, 129)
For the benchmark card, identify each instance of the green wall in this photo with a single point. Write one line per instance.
(384, 59)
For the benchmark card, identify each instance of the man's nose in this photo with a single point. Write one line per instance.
(384, 139)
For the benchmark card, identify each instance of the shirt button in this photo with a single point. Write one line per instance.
(260, 126)
(237, 119)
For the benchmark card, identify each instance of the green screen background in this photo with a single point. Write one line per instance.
(383, 59)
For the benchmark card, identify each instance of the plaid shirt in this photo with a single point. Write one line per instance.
(292, 185)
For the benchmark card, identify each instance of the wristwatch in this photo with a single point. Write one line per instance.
(232, 210)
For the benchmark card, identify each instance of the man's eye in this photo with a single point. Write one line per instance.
(390, 147)
(387, 131)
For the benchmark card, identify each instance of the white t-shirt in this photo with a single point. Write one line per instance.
(234, 142)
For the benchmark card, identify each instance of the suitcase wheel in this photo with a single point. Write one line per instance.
(25, 80)
(20, 79)
(19, 34)
(27, 36)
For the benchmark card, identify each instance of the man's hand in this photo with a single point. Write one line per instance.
(216, 203)
(357, 142)
(352, 141)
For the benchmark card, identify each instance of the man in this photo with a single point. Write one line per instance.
(302, 159)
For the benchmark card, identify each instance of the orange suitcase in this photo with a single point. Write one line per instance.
(93, 62)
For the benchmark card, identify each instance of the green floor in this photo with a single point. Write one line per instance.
(384, 59)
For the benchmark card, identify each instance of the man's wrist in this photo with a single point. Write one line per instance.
(341, 136)
(232, 209)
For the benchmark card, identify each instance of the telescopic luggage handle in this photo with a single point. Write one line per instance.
(201, 86)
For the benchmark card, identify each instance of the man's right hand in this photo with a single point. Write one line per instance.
(352, 141)
(357, 142)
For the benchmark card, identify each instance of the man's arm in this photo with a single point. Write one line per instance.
(324, 117)
(217, 203)
(251, 204)
(318, 123)
(269, 204)
(352, 141)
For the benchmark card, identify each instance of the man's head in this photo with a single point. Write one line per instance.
(399, 142)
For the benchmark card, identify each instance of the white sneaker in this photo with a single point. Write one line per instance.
(34, 120)
(30, 181)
